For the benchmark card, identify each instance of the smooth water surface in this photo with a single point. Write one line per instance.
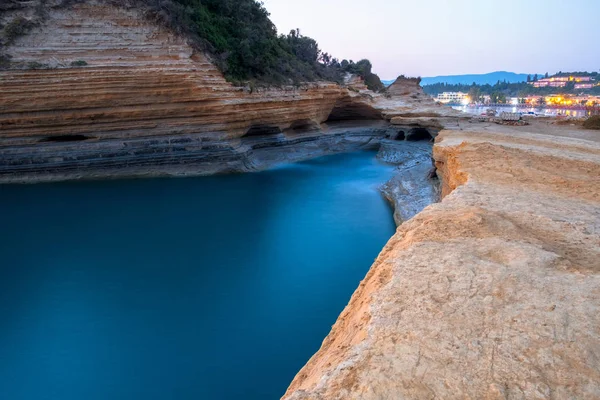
(199, 288)
(478, 110)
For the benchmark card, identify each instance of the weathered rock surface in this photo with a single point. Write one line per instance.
(411, 189)
(494, 293)
(147, 104)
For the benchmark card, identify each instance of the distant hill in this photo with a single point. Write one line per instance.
(481, 79)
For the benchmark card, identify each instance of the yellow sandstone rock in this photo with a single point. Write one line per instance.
(494, 293)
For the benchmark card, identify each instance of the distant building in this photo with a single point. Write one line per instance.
(547, 82)
(452, 97)
(561, 81)
(563, 100)
(584, 85)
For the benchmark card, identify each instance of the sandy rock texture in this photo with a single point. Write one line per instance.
(494, 293)
(140, 101)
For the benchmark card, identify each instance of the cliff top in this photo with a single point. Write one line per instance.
(237, 35)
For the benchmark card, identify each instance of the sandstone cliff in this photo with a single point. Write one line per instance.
(494, 293)
(100, 90)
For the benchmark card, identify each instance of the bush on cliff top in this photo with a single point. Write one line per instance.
(592, 122)
(13, 29)
(245, 44)
(238, 34)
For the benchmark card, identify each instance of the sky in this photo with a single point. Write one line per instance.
(450, 37)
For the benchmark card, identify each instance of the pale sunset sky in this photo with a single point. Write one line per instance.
(449, 37)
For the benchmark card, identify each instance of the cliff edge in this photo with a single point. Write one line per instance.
(98, 89)
(494, 293)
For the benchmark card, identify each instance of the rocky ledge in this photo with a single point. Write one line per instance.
(493, 293)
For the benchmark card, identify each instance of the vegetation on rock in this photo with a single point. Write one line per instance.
(238, 34)
(37, 65)
(592, 122)
(13, 29)
(79, 63)
(246, 46)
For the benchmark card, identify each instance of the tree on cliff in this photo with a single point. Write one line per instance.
(246, 46)
(363, 68)
(303, 47)
(238, 34)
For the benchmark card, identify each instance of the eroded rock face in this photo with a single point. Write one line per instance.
(412, 188)
(494, 293)
(115, 94)
(140, 80)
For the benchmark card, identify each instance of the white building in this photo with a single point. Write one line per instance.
(452, 97)
(562, 81)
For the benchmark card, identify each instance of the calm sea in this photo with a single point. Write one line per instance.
(478, 110)
(199, 288)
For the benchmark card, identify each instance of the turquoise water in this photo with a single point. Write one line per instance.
(198, 288)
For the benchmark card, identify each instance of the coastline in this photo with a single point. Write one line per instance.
(194, 157)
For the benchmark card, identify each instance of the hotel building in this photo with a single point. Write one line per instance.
(562, 81)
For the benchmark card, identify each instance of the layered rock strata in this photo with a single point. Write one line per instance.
(494, 293)
(99, 90)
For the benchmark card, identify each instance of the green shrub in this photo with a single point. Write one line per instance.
(239, 36)
(5, 60)
(363, 69)
(592, 122)
(36, 65)
(79, 63)
(246, 46)
(15, 28)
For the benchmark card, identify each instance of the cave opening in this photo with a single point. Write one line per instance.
(262, 130)
(400, 135)
(349, 111)
(417, 134)
(66, 138)
(304, 125)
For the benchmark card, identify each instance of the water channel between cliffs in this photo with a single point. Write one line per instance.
(215, 287)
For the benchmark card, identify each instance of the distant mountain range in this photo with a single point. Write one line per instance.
(480, 79)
